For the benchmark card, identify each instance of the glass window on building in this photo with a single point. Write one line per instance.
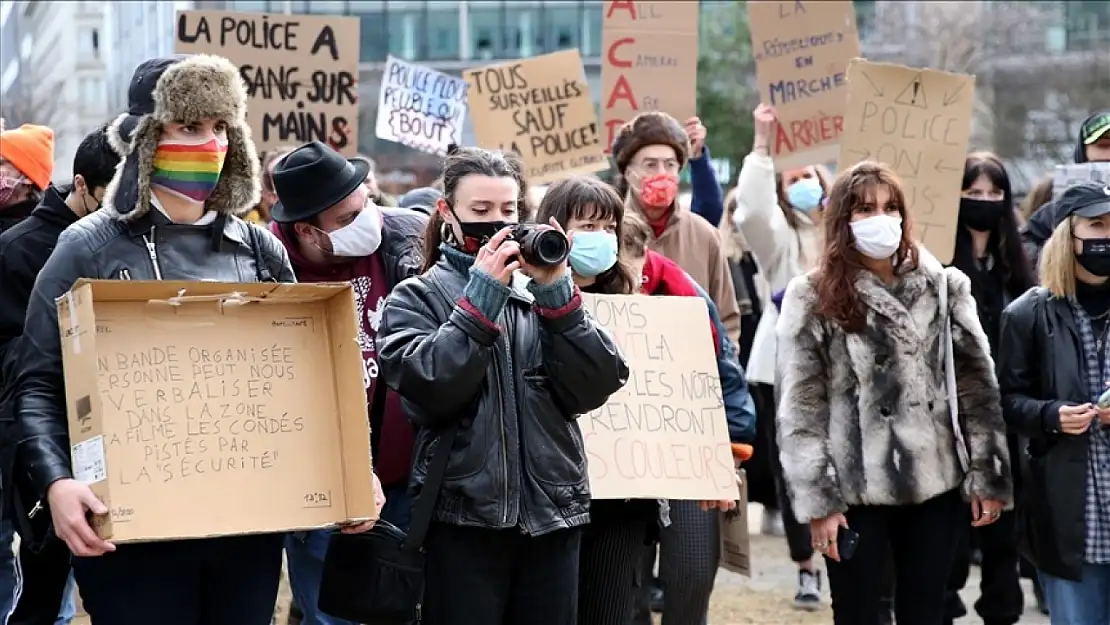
(485, 33)
(865, 17)
(562, 26)
(373, 32)
(442, 32)
(1087, 24)
(253, 6)
(327, 7)
(522, 31)
(404, 34)
(591, 32)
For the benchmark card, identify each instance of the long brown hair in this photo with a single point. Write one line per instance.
(823, 177)
(1038, 196)
(460, 163)
(583, 197)
(838, 300)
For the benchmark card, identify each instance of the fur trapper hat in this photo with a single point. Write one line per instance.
(649, 129)
(182, 89)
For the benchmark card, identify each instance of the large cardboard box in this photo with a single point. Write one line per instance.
(207, 409)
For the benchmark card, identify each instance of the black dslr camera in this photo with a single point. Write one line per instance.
(540, 247)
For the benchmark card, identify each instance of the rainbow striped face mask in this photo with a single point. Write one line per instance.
(189, 170)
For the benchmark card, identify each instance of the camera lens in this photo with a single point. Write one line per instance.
(550, 247)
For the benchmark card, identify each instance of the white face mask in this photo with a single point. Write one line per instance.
(878, 237)
(361, 237)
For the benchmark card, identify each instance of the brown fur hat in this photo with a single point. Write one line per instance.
(649, 129)
(183, 89)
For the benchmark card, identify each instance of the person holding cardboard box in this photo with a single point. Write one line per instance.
(334, 232)
(883, 367)
(495, 367)
(189, 166)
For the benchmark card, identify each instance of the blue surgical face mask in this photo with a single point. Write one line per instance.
(805, 194)
(593, 253)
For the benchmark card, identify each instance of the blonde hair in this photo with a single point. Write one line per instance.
(1058, 262)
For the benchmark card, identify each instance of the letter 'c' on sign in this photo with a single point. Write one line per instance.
(613, 49)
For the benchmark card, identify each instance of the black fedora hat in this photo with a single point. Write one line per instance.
(312, 179)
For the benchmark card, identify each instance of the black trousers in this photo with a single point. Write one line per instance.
(500, 577)
(609, 571)
(211, 581)
(689, 550)
(798, 539)
(1000, 601)
(44, 581)
(922, 540)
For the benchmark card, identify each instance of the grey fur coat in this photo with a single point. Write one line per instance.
(863, 418)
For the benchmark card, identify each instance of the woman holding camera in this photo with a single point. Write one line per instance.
(871, 453)
(501, 364)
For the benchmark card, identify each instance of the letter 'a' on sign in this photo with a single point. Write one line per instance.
(539, 108)
(649, 61)
(802, 50)
(918, 122)
(301, 72)
(664, 435)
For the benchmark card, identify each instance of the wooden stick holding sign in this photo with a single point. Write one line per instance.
(541, 109)
(917, 122)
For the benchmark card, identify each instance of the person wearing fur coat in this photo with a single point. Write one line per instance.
(868, 443)
(188, 169)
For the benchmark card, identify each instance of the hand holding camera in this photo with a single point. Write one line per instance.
(539, 250)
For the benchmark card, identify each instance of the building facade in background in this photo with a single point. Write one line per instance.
(57, 75)
(136, 31)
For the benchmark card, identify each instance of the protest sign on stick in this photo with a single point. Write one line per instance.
(663, 435)
(420, 107)
(301, 71)
(650, 61)
(802, 50)
(918, 122)
(541, 109)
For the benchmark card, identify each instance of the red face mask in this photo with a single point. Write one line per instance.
(658, 191)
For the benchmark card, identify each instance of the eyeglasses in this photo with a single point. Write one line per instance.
(655, 165)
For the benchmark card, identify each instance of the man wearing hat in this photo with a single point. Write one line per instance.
(327, 219)
(26, 165)
(169, 213)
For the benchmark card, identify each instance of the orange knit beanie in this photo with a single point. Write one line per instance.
(30, 149)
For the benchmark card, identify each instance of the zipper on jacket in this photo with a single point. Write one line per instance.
(153, 252)
(35, 509)
(125, 274)
(504, 448)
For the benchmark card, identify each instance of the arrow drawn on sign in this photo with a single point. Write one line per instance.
(949, 98)
(878, 91)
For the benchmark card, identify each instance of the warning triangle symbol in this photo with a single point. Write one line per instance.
(914, 93)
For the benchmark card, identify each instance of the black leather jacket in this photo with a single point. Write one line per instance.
(101, 246)
(1040, 368)
(518, 459)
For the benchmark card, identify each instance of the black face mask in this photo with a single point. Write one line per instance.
(981, 215)
(1095, 256)
(475, 233)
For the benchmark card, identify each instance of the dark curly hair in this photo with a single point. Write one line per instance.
(838, 301)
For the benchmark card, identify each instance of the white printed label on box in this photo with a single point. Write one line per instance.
(88, 461)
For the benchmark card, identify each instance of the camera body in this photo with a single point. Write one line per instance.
(539, 246)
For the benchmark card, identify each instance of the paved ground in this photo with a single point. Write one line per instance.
(765, 598)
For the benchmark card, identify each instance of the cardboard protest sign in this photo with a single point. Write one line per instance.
(663, 435)
(802, 50)
(650, 61)
(918, 122)
(202, 409)
(420, 107)
(541, 109)
(1065, 176)
(735, 540)
(301, 71)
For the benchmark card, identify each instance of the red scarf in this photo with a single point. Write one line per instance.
(663, 277)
